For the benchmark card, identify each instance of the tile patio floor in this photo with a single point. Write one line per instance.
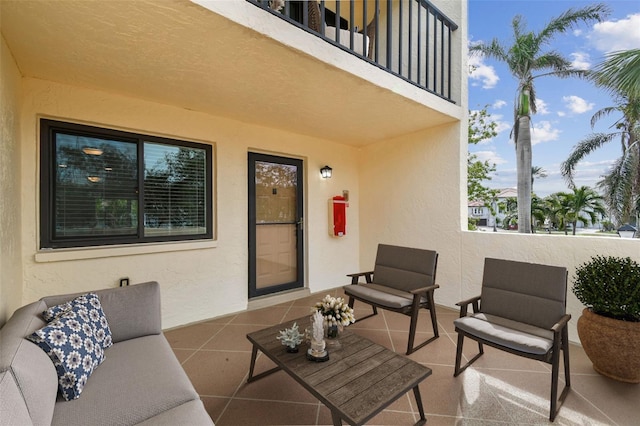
(498, 389)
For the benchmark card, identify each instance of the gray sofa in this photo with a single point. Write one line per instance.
(139, 382)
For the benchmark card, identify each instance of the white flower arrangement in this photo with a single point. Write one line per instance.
(335, 311)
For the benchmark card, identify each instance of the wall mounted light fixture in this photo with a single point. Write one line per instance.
(325, 172)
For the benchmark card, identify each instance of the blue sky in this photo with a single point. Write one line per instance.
(565, 106)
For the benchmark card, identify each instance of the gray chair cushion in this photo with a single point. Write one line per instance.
(404, 268)
(504, 332)
(381, 295)
(525, 292)
(149, 371)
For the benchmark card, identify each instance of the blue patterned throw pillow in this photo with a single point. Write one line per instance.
(89, 309)
(71, 343)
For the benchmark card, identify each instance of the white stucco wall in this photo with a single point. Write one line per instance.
(410, 196)
(197, 282)
(10, 105)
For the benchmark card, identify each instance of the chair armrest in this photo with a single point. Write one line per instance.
(464, 304)
(368, 276)
(424, 289)
(562, 322)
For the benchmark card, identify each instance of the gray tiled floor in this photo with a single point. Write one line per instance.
(499, 389)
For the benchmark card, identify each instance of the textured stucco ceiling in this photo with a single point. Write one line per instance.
(179, 53)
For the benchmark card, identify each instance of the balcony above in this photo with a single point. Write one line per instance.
(411, 39)
(230, 59)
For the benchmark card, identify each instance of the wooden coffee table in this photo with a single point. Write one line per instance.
(360, 379)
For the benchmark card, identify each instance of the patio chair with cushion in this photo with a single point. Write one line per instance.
(403, 280)
(521, 310)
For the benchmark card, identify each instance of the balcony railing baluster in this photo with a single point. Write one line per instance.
(411, 39)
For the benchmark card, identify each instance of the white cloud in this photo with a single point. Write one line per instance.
(561, 113)
(577, 33)
(501, 124)
(499, 103)
(543, 132)
(577, 105)
(581, 61)
(623, 34)
(491, 156)
(482, 73)
(541, 107)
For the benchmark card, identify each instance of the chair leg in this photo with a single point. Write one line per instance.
(412, 331)
(565, 352)
(432, 311)
(556, 402)
(415, 310)
(554, 383)
(457, 370)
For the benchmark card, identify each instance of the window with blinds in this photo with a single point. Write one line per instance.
(103, 186)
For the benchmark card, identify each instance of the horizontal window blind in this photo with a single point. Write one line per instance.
(102, 186)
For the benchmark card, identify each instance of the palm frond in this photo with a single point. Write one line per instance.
(601, 114)
(619, 73)
(554, 61)
(581, 150)
(492, 50)
(620, 187)
(570, 18)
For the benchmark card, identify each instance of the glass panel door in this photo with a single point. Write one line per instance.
(275, 224)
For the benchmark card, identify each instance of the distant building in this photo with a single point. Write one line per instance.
(479, 211)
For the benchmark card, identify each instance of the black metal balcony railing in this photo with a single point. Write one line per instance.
(411, 39)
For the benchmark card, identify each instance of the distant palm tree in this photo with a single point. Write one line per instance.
(584, 205)
(539, 212)
(537, 172)
(524, 57)
(621, 184)
(510, 209)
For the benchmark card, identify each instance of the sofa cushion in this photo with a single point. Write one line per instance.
(13, 407)
(89, 308)
(24, 364)
(189, 413)
(74, 344)
(139, 379)
(132, 311)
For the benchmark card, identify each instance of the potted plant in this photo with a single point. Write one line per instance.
(609, 327)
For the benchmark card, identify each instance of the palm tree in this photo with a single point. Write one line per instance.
(538, 212)
(621, 184)
(523, 58)
(584, 205)
(620, 72)
(510, 209)
(537, 172)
